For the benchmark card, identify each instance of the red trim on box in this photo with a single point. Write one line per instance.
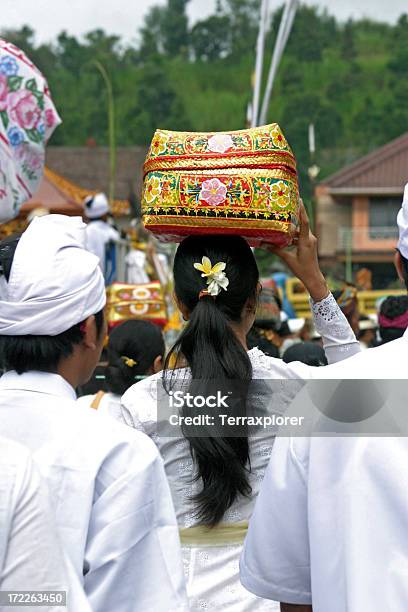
(255, 236)
(220, 169)
(224, 156)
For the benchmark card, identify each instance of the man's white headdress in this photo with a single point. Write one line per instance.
(96, 206)
(54, 282)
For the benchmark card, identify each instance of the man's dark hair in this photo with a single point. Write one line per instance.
(310, 353)
(41, 353)
(103, 218)
(393, 307)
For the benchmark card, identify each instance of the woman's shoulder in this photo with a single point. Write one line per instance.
(146, 388)
(262, 363)
(264, 366)
(141, 398)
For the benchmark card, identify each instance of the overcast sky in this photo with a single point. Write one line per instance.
(123, 17)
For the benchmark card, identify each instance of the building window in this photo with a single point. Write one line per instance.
(383, 218)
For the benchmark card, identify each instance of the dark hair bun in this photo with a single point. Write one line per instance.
(394, 306)
(137, 343)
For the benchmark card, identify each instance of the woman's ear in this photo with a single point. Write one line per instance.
(157, 364)
(251, 306)
(185, 313)
(252, 302)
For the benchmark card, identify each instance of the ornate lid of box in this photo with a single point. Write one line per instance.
(144, 301)
(242, 182)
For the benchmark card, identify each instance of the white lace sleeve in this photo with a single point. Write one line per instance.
(339, 341)
(138, 406)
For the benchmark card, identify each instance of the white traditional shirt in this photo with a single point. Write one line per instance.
(109, 404)
(98, 235)
(31, 557)
(135, 262)
(212, 573)
(331, 521)
(330, 525)
(381, 362)
(112, 501)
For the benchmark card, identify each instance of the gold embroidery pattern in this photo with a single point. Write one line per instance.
(234, 182)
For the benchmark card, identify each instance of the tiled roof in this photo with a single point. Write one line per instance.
(60, 195)
(89, 167)
(384, 171)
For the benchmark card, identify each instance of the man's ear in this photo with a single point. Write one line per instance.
(90, 336)
(399, 266)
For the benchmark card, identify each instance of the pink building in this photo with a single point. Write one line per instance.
(357, 209)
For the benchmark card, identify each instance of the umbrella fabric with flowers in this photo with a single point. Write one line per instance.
(27, 120)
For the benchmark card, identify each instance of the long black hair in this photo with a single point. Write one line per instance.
(213, 352)
(132, 349)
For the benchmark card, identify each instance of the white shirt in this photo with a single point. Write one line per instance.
(31, 557)
(109, 404)
(113, 505)
(212, 573)
(331, 521)
(98, 234)
(330, 525)
(385, 361)
(135, 267)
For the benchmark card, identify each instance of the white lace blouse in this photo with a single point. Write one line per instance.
(212, 574)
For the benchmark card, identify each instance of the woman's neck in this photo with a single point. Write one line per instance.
(240, 333)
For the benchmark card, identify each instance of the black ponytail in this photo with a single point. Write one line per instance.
(213, 352)
(132, 349)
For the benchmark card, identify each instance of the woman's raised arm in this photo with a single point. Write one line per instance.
(339, 340)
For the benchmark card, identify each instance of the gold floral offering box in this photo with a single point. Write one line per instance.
(145, 301)
(242, 182)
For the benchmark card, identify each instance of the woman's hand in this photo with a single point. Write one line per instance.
(302, 259)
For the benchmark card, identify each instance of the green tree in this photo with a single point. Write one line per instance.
(165, 30)
(348, 45)
(243, 18)
(312, 33)
(151, 33)
(154, 105)
(24, 38)
(175, 28)
(210, 38)
(349, 80)
(71, 53)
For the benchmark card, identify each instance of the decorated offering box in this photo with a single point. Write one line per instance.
(144, 301)
(242, 182)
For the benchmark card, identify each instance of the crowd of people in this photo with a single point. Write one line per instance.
(97, 504)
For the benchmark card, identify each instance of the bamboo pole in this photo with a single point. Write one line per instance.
(260, 49)
(281, 41)
(111, 129)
